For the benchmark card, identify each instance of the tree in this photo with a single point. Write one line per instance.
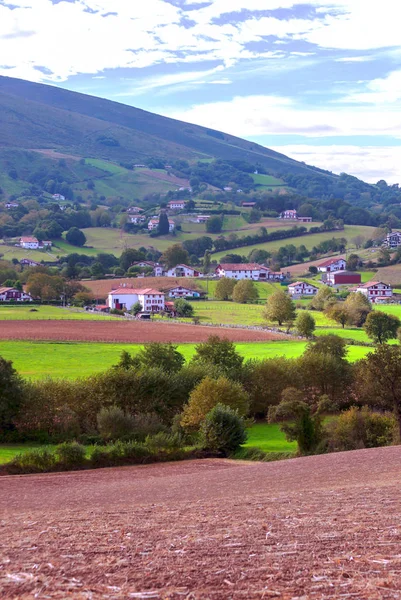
(381, 327)
(245, 291)
(224, 288)
(127, 361)
(220, 352)
(214, 224)
(331, 344)
(210, 392)
(45, 287)
(183, 308)
(163, 227)
(338, 313)
(174, 255)
(136, 308)
(11, 395)
(305, 324)
(129, 256)
(75, 236)
(352, 262)
(206, 262)
(162, 356)
(97, 269)
(223, 430)
(358, 307)
(280, 308)
(324, 295)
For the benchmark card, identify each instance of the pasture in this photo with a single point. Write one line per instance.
(29, 312)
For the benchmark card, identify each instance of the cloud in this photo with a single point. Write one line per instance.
(383, 91)
(370, 163)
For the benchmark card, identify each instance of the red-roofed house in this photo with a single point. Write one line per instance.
(332, 264)
(176, 204)
(289, 214)
(29, 243)
(302, 288)
(11, 294)
(182, 271)
(124, 298)
(376, 291)
(243, 271)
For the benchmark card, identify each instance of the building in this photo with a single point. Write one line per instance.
(29, 243)
(137, 220)
(243, 271)
(248, 204)
(376, 291)
(202, 218)
(332, 264)
(158, 270)
(11, 294)
(289, 214)
(45, 244)
(134, 210)
(343, 278)
(182, 271)
(178, 291)
(58, 197)
(153, 223)
(27, 262)
(393, 240)
(124, 298)
(10, 205)
(304, 219)
(301, 288)
(176, 204)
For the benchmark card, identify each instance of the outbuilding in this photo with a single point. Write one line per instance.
(342, 278)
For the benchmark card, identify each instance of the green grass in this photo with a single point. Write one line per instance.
(24, 313)
(269, 438)
(267, 181)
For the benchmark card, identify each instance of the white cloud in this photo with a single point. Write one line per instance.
(369, 163)
(384, 91)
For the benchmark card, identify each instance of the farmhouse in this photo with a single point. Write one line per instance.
(157, 268)
(304, 219)
(342, 278)
(59, 197)
(134, 210)
(393, 239)
(11, 294)
(289, 214)
(10, 205)
(376, 291)
(178, 291)
(27, 262)
(124, 298)
(332, 264)
(202, 218)
(243, 271)
(153, 224)
(301, 288)
(137, 220)
(29, 243)
(176, 204)
(182, 271)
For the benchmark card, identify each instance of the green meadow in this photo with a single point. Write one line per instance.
(28, 312)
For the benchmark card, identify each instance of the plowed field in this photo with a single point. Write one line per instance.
(135, 332)
(321, 527)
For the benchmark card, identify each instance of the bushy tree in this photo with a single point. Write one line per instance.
(323, 296)
(44, 286)
(11, 394)
(220, 352)
(358, 307)
(245, 291)
(338, 313)
(305, 324)
(183, 308)
(280, 308)
(129, 256)
(113, 423)
(223, 430)
(381, 327)
(174, 255)
(210, 392)
(214, 224)
(330, 344)
(75, 236)
(224, 288)
(136, 308)
(162, 356)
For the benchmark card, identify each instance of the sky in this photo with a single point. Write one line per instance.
(318, 80)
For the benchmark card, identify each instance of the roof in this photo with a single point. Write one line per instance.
(372, 283)
(302, 283)
(186, 266)
(121, 291)
(330, 261)
(342, 272)
(29, 239)
(3, 290)
(242, 267)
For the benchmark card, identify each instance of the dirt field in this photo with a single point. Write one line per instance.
(135, 332)
(321, 527)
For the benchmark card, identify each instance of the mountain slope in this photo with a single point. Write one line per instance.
(34, 116)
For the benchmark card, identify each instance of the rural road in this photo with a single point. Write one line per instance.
(317, 527)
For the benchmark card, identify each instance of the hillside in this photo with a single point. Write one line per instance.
(37, 116)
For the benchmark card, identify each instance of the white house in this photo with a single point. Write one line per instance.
(11, 294)
(27, 262)
(29, 243)
(59, 197)
(137, 220)
(243, 271)
(289, 214)
(10, 205)
(301, 288)
(182, 271)
(202, 218)
(157, 268)
(376, 291)
(134, 210)
(153, 223)
(179, 291)
(176, 204)
(393, 239)
(124, 298)
(332, 264)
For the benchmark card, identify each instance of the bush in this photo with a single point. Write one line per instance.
(360, 428)
(223, 430)
(34, 461)
(147, 424)
(164, 441)
(70, 455)
(113, 423)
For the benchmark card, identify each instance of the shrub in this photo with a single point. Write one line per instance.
(360, 428)
(113, 423)
(223, 430)
(147, 424)
(70, 455)
(164, 441)
(39, 460)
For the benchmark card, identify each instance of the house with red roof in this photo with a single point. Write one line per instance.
(332, 264)
(182, 271)
(376, 291)
(124, 298)
(302, 288)
(243, 271)
(12, 294)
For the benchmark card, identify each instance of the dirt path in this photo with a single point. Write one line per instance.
(135, 332)
(320, 527)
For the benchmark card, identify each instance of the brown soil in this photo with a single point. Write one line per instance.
(135, 332)
(313, 528)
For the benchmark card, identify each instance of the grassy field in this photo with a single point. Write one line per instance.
(269, 438)
(33, 313)
(267, 181)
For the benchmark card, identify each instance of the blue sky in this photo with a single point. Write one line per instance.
(318, 80)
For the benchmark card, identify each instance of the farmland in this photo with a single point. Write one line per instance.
(203, 529)
(40, 313)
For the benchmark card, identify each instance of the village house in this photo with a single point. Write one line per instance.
(58, 197)
(134, 210)
(27, 262)
(137, 220)
(182, 271)
(332, 264)
(248, 204)
(343, 278)
(153, 224)
(376, 291)
(10, 205)
(393, 240)
(124, 298)
(29, 243)
(304, 219)
(178, 291)
(202, 218)
(158, 270)
(301, 288)
(289, 214)
(176, 204)
(243, 271)
(11, 294)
